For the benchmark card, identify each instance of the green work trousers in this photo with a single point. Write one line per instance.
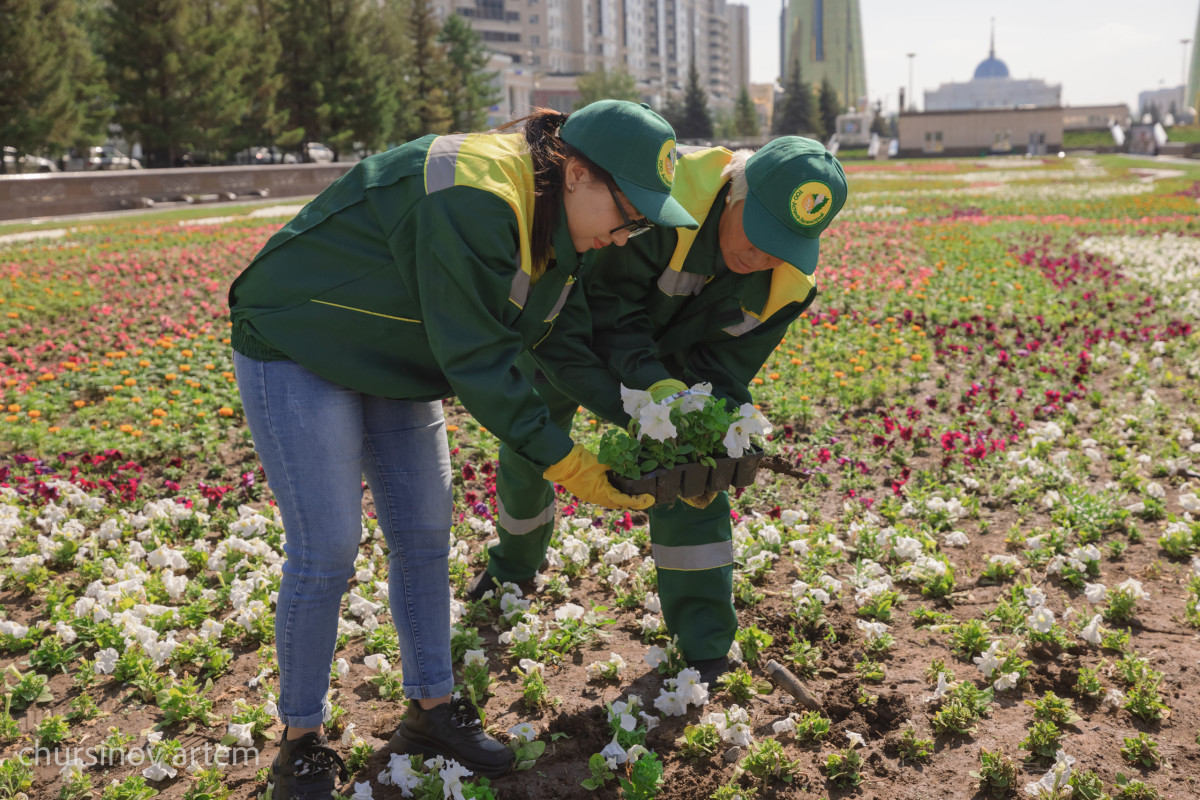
(692, 547)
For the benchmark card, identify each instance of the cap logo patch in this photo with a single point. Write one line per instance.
(667, 156)
(811, 203)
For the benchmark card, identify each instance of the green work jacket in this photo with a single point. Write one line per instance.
(666, 306)
(410, 277)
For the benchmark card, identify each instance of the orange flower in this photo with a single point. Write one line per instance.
(916, 356)
(14, 407)
(225, 411)
(154, 423)
(11, 418)
(126, 428)
(79, 403)
(451, 428)
(34, 414)
(130, 381)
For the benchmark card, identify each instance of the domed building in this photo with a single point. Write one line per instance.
(992, 87)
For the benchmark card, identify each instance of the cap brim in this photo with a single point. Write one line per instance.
(658, 207)
(775, 239)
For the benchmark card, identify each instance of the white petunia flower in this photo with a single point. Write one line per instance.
(362, 791)
(1091, 631)
(568, 611)
(1041, 620)
(241, 732)
(1133, 587)
(106, 661)
(523, 731)
(856, 739)
(377, 661)
(655, 422)
(474, 657)
(158, 771)
(956, 539)
(634, 400)
(1006, 681)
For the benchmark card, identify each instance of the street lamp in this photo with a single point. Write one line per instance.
(911, 56)
(1183, 65)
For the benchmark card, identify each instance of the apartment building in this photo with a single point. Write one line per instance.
(550, 42)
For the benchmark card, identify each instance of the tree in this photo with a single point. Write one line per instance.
(605, 85)
(745, 115)
(52, 94)
(215, 97)
(426, 71)
(672, 111)
(469, 89)
(697, 122)
(828, 107)
(794, 114)
(263, 121)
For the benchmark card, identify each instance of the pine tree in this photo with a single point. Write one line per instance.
(426, 71)
(52, 94)
(468, 87)
(673, 112)
(697, 122)
(828, 107)
(745, 115)
(220, 53)
(262, 121)
(605, 85)
(146, 52)
(794, 114)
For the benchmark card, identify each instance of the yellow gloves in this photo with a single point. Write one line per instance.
(584, 476)
(700, 500)
(665, 388)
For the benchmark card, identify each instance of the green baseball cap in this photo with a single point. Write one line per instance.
(637, 147)
(795, 187)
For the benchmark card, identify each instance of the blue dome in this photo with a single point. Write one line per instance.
(991, 67)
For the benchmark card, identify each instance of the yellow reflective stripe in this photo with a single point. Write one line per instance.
(364, 311)
(676, 283)
(519, 292)
(441, 162)
(562, 299)
(693, 557)
(520, 527)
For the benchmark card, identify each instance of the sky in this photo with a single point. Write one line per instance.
(1100, 51)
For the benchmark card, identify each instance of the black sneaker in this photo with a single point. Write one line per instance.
(452, 730)
(480, 585)
(305, 769)
(710, 669)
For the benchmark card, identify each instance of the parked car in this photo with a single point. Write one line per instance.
(317, 152)
(15, 162)
(264, 155)
(108, 157)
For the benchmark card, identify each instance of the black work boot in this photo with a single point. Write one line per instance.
(305, 769)
(481, 584)
(710, 669)
(452, 730)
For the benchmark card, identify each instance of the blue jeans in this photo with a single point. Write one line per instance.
(316, 441)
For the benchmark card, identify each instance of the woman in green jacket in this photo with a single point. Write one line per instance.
(421, 274)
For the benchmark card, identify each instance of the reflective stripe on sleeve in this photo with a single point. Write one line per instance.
(441, 162)
(520, 527)
(747, 324)
(677, 282)
(519, 292)
(693, 557)
(562, 299)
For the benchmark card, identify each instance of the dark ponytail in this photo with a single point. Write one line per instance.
(548, 153)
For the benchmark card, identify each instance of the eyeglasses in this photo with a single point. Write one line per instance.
(634, 227)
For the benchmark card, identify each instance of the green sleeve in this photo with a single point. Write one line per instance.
(568, 359)
(732, 362)
(619, 288)
(466, 239)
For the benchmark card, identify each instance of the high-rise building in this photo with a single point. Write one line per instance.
(825, 36)
(1192, 81)
(550, 42)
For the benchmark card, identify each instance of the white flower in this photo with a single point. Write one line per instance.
(1034, 597)
(943, 686)
(106, 661)
(342, 666)
(158, 771)
(474, 657)
(377, 661)
(655, 422)
(523, 731)
(1041, 620)
(651, 624)
(634, 400)
(401, 774)
(670, 703)
(988, 661)
(528, 665)
(655, 656)
(568, 611)
(1196, 565)
(1114, 698)
(871, 630)
(452, 774)
(614, 754)
(792, 517)
(856, 739)
(737, 438)
(1133, 587)
(1056, 777)
(1006, 681)
(652, 603)
(956, 539)
(1091, 631)
(241, 731)
(1094, 592)
(785, 725)
(362, 791)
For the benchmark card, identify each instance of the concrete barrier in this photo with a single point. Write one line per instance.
(61, 194)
